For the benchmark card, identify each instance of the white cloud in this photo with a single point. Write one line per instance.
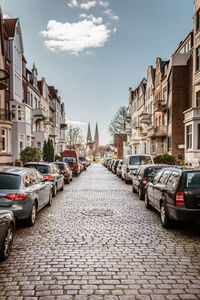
(114, 29)
(75, 37)
(110, 14)
(88, 4)
(73, 3)
(104, 3)
(95, 20)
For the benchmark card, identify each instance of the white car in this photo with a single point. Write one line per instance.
(132, 162)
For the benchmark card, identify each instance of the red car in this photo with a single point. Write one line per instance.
(71, 157)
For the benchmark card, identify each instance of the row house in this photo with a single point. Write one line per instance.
(5, 116)
(30, 110)
(163, 113)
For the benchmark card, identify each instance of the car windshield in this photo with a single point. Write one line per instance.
(140, 160)
(61, 166)
(69, 159)
(9, 181)
(193, 180)
(81, 159)
(42, 168)
(152, 171)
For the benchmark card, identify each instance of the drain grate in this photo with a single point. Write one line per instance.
(98, 212)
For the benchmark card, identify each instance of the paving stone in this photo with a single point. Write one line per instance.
(73, 252)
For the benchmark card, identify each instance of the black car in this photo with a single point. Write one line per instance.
(7, 229)
(65, 170)
(175, 193)
(50, 172)
(141, 178)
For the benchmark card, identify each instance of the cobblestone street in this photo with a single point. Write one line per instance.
(98, 241)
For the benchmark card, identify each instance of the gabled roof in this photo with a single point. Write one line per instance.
(9, 25)
(53, 92)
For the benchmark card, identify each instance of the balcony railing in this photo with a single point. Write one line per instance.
(39, 114)
(5, 115)
(192, 113)
(160, 106)
(145, 118)
(160, 131)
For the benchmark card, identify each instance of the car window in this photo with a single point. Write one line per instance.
(193, 180)
(164, 177)
(152, 171)
(157, 177)
(145, 160)
(41, 168)
(34, 177)
(69, 159)
(27, 179)
(9, 181)
(173, 179)
(56, 169)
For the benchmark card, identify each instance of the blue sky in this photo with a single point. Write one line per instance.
(92, 51)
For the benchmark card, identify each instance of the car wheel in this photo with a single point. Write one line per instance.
(31, 219)
(140, 194)
(50, 199)
(126, 181)
(67, 181)
(146, 201)
(133, 189)
(55, 190)
(71, 179)
(62, 187)
(165, 220)
(7, 243)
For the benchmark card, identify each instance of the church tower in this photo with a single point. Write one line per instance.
(89, 136)
(96, 136)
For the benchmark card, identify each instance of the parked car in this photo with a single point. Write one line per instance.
(65, 170)
(24, 192)
(82, 161)
(50, 172)
(88, 162)
(119, 168)
(141, 178)
(71, 157)
(175, 193)
(111, 162)
(7, 229)
(114, 166)
(132, 162)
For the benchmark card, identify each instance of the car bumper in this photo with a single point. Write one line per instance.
(183, 214)
(20, 212)
(66, 177)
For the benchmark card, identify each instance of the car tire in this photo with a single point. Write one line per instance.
(67, 181)
(165, 220)
(54, 190)
(7, 243)
(140, 194)
(146, 201)
(126, 181)
(31, 219)
(133, 189)
(50, 199)
(71, 179)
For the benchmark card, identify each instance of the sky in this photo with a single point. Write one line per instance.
(92, 51)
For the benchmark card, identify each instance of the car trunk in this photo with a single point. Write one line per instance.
(5, 202)
(192, 198)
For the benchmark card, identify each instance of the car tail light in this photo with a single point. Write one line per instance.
(16, 197)
(120, 167)
(180, 198)
(49, 176)
(127, 170)
(144, 181)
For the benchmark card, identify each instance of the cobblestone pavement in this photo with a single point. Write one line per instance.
(97, 241)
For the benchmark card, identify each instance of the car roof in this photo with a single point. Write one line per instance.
(39, 163)
(13, 170)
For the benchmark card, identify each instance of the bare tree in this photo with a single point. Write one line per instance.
(73, 138)
(118, 123)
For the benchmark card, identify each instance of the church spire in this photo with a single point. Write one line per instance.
(89, 136)
(96, 136)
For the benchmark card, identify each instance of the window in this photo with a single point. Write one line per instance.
(21, 143)
(198, 58)
(173, 179)
(21, 113)
(198, 20)
(193, 180)
(3, 136)
(189, 137)
(157, 177)
(169, 143)
(164, 177)
(198, 136)
(198, 99)
(9, 182)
